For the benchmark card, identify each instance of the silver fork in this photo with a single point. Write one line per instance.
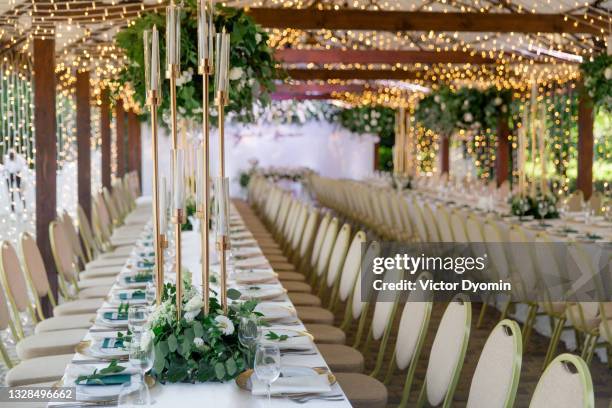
(305, 399)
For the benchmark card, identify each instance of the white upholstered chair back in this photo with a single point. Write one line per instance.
(13, 279)
(383, 310)
(497, 373)
(352, 264)
(319, 237)
(430, 223)
(300, 223)
(327, 246)
(444, 224)
(457, 224)
(306, 239)
(417, 220)
(34, 265)
(338, 254)
(566, 383)
(448, 351)
(496, 251)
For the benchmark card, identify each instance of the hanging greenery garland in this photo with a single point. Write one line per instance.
(597, 75)
(253, 68)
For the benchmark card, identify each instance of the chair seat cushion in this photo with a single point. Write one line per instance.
(95, 292)
(100, 273)
(91, 282)
(67, 322)
(81, 306)
(304, 299)
(50, 343)
(291, 276)
(326, 334)
(38, 370)
(295, 286)
(281, 266)
(312, 314)
(105, 263)
(362, 390)
(341, 358)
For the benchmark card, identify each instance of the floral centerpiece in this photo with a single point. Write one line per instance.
(526, 205)
(198, 348)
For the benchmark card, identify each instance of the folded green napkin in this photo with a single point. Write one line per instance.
(139, 278)
(114, 379)
(569, 230)
(138, 295)
(593, 236)
(112, 342)
(115, 316)
(146, 264)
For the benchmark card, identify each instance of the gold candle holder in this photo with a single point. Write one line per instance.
(222, 241)
(222, 246)
(203, 211)
(178, 219)
(153, 101)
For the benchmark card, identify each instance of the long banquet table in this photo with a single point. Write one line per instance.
(225, 394)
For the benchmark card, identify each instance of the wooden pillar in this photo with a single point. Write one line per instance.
(105, 134)
(134, 153)
(584, 181)
(502, 155)
(46, 154)
(444, 154)
(83, 127)
(120, 140)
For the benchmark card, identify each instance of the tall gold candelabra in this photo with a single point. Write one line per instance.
(223, 243)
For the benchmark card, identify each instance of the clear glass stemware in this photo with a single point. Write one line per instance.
(249, 333)
(267, 365)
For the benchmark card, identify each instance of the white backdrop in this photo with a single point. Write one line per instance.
(326, 148)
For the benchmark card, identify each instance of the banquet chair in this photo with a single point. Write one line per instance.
(298, 231)
(38, 282)
(310, 264)
(32, 371)
(566, 383)
(306, 241)
(412, 330)
(93, 245)
(498, 258)
(326, 276)
(574, 201)
(498, 370)
(447, 355)
(596, 203)
(458, 227)
(64, 262)
(39, 344)
(430, 223)
(401, 210)
(417, 220)
(444, 225)
(322, 256)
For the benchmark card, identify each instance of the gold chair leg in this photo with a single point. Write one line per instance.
(483, 309)
(528, 326)
(554, 341)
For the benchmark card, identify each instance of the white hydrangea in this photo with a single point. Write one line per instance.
(235, 73)
(468, 117)
(257, 38)
(497, 101)
(225, 325)
(608, 73)
(198, 342)
(194, 304)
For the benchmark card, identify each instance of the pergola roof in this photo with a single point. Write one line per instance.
(422, 41)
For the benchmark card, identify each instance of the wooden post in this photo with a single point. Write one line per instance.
(444, 154)
(376, 156)
(46, 154)
(120, 141)
(83, 126)
(502, 156)
(584, 180)
(105, 133)
(134, 153)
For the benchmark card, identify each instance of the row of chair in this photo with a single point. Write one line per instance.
(330, 261)
(407, 218)
(87, 261)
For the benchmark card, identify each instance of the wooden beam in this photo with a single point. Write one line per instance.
(83, 128)
(105, 135)
(391, 57)
(327, 74)
(120, 138)
(46, 152)
(400, 21)
(584, 181)
(502, 155)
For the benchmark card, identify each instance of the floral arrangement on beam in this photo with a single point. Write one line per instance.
(597, 75)
(251, 78)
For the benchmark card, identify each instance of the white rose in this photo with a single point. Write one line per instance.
(235, 73)
(374, 122)
(198, 342)
(190, 316)
(195, 303)
(257, 38)
(497, 101)
(608, 73)
(225, 325)
(466, 103)
(468, 117)
(442, 106)
(437, 99)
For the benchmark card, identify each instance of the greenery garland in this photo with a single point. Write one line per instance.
(253, 68)
(597, 75)
(198, 348)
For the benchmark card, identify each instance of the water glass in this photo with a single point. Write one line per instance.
(150, 293)
(267, 365)
(249, 333)
(142, 356)
(137, 317)
(542, 211)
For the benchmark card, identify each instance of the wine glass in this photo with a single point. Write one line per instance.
(249, 333)
(150, 294)
(142, 356)
(542, 211)
(267, 365)
(137, 317)
(586, 209)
